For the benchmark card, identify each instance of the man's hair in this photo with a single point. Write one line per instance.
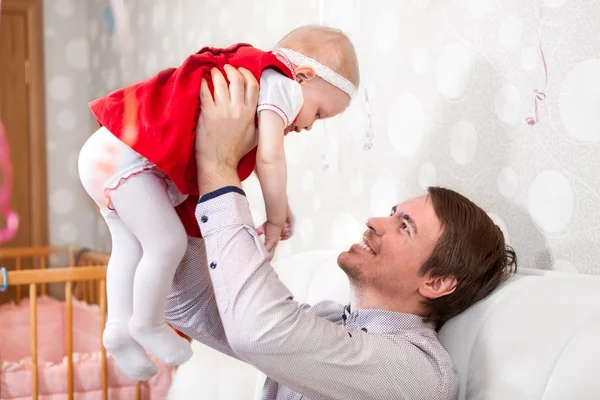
(329, 46)
(471, 248)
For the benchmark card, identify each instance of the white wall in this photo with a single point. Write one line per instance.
(451, 83)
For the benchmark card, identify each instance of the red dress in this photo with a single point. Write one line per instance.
(168, 111)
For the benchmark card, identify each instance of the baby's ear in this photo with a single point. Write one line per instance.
(305, 73)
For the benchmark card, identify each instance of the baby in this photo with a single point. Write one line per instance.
(146, 188)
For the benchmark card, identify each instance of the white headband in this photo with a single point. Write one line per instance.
(324, 72)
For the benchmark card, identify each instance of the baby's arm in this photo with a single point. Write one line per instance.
(271, 170)
(279, 102)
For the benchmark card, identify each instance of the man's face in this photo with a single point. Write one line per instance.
(393, 249)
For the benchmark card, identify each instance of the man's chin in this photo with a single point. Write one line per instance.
(348, 263)
(344, 258)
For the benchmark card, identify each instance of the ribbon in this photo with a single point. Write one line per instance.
(539, 95)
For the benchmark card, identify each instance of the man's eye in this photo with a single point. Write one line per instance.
(405, 227)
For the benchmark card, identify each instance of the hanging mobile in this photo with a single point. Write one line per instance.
(369, 134)
(539, 95)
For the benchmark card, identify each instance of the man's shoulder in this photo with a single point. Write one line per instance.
(436, 359)
(329, 310)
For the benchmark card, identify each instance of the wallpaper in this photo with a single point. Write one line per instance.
(446, 89)
(67, 76)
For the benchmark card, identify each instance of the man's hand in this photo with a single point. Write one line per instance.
(226, 128)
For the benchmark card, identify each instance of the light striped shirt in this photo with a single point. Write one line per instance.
(226, 295)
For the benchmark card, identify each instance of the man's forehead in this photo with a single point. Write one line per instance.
(416, 204)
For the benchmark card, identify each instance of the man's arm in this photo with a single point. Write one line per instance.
(191, 306)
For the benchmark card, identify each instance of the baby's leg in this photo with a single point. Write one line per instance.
(124, 259)
(143, 205)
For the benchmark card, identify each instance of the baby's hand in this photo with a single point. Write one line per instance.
(288, 227)
(272, 234)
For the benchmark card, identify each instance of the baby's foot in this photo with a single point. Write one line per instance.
(130, 356)
(162, 341)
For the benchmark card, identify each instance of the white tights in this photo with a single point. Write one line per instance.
(148, 242)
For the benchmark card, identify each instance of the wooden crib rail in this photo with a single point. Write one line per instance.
(38, 259)
(55, 275)
(86, 290)
(88, 257)
(94, 274)
(9, 252)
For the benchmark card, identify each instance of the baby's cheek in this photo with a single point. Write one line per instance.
(299, 118)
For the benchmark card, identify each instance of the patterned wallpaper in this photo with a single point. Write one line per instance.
(67, 74)
(450, 84)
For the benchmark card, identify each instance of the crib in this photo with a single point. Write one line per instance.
(85, 372)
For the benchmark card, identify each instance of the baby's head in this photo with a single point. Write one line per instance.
(328, 84)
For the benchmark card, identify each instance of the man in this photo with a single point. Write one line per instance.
(429, 260)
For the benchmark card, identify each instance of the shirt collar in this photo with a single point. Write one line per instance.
(382, 321)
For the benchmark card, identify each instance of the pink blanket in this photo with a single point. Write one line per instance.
(15, 356)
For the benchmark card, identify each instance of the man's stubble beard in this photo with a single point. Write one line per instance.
(352, 270)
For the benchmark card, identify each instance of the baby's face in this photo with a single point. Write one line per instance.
(321, 100)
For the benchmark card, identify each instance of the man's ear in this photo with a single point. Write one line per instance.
(305, 73)
(438, 286)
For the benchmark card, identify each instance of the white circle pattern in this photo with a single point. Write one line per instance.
(453, 70)
(463, 142)
(406, 124)
(62, 201)
(580, 101)
(551, 201)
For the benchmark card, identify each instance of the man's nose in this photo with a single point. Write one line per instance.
(376, 224)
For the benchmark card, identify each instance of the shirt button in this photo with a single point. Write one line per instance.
(213, 265)
(364, 329)
(204, 218)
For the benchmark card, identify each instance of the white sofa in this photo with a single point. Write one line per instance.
(536, 337)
